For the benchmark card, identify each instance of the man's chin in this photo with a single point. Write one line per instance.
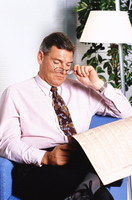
(59, 82)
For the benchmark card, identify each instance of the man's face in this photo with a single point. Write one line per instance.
(56, 58)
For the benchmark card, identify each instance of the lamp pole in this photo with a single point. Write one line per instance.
(129, 184)
(121, 57)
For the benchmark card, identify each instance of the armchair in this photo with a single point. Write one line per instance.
(6, 166)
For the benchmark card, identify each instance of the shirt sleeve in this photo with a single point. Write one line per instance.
(117, 104)
(11, 146)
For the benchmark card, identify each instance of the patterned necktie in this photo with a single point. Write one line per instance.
(63, 114)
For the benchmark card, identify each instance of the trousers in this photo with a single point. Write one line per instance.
(32, 182)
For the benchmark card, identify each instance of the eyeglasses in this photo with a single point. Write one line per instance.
(60, 70)
(57, 67)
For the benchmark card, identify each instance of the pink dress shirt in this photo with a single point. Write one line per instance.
(28, 122)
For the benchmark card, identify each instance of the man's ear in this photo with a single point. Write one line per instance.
(40, 57)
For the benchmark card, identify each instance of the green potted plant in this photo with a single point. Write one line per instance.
(109, 66)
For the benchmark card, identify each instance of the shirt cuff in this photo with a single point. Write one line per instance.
(37, 156)
(113, 94)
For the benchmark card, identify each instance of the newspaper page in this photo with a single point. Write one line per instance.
(109, 149)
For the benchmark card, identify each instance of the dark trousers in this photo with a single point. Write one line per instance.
(31, 182)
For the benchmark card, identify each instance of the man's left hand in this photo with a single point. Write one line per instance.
(88, 76)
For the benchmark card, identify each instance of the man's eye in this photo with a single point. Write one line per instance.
(56, 62)
(69, 65)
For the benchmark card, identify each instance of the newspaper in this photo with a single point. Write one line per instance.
(109, 149)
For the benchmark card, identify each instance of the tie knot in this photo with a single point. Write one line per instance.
(53, 89)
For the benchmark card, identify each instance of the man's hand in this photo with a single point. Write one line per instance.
(88, 76)
(60, 155)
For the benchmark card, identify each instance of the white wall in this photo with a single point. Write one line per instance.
(23, 25)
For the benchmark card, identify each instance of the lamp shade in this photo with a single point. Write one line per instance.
(107, 27)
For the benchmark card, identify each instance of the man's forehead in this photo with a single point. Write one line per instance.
(60, 53)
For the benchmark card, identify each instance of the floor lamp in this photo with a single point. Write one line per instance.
(110, 27)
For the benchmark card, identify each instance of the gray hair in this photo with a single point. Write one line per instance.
(58, 39)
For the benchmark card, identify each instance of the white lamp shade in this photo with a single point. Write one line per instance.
(107, 27)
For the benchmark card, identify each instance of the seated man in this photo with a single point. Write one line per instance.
(36, 125)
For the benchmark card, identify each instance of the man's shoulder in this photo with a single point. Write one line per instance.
(23, 85)
(74, 83)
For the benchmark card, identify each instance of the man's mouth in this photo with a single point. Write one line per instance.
(60, 77)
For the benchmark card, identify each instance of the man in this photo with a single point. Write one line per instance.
(47, 165)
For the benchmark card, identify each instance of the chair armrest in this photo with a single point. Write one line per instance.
(6, 167)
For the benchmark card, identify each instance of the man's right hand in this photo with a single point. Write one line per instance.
(60, 155)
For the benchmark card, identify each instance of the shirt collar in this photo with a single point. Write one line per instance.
(45, 87)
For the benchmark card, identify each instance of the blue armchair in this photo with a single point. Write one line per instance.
(6, 166)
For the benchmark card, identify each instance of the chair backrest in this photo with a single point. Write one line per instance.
(98, 120)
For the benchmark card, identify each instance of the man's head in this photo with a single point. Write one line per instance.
(56, 52)
(58, 39)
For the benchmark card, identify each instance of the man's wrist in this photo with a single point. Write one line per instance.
(98, 84)
(102, 89)
(45, 158)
